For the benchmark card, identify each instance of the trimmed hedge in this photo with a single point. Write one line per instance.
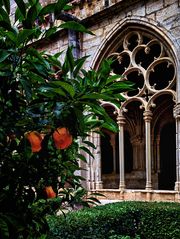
(122, 220)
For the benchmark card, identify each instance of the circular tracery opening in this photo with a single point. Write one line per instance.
(162, 75)
(137, 78)
(121, 63)
(145, 56)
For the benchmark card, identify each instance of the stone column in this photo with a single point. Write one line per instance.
(121, 122)
(147, 118)
(97, 160)
(177, 117)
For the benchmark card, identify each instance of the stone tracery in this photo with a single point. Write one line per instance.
(145, 62)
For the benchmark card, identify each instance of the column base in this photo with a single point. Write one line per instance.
(177, 186)
(122, 186)
(148, 186)
(99, 185)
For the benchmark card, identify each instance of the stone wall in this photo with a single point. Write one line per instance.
(101, 18)
(161, 14)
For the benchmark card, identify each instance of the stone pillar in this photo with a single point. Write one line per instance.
(121, 122)
(97, 160)
(177, 117)
(74, 41)
(147, 118)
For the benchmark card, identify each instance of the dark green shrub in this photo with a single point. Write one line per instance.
(125, 220)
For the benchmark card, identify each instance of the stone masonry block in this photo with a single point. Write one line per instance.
(153, 6)
(165, 15)
(139, 10)
(169, 2)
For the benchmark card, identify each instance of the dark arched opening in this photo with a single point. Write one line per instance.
(167, 175)
(106, 154)
(128, 153)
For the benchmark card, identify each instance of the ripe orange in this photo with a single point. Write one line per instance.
(50, 192)
(62, 138)
(35, 140)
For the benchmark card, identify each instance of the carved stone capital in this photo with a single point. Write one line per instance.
(147, 115)
(121, 120)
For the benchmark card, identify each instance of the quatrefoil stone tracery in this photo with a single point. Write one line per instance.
(144, 60)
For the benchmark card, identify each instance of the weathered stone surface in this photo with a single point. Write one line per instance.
(153, 6)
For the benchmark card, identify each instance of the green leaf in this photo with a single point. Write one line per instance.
(4, 15)
(36, 78)
(78, 65)
(7, 5)
(118, 87)
(32, 13)
(46, 90)
(4, 55)
(67, 7)
(70, 59)
(98, 194)
(105, 68)
(5, 73)
(47, 9)
(60, 6)
(23, 35)
(12, 36)
(113, 78)
(94, 199)
(96, 108)
(32, 2)
(89, 144)
(80, 119)
(97, 96)
(18, 15)
(4, 230)
(21, 6)
(110, 126)
(6, 25)
(82, 157)
(66, 86)
(50, 31)
(86, 150)
(27, 88)
(71, 25)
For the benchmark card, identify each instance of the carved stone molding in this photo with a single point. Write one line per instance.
(147, 116)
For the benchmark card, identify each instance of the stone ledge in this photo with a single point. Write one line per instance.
(139, 195)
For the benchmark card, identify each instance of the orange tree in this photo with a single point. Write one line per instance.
(45, 106)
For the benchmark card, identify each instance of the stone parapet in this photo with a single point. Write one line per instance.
(138, 195)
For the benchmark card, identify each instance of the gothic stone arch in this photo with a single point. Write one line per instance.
(144, 54)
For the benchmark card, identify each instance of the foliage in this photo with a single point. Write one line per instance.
(40, 94)
(125, 220)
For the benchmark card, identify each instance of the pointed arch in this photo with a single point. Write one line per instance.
(142, 33)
